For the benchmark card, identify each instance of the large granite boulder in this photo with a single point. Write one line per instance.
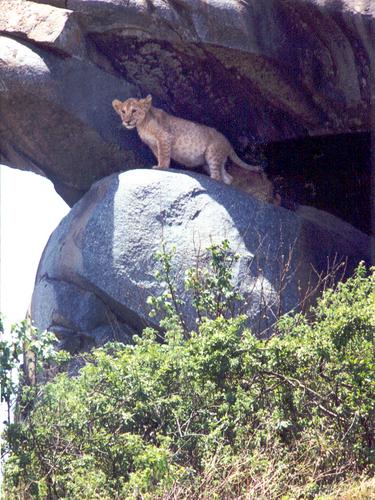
(98, 267)
(257, 71)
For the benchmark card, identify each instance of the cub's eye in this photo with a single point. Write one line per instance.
(123, 111)
(133, 111)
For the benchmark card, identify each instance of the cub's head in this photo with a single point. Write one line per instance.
(132, 111)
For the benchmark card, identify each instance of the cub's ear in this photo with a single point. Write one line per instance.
(147, 101)
(117, 105)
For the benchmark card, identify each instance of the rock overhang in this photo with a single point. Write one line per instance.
(258, 71)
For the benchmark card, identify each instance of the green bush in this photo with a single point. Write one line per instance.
(213, 412)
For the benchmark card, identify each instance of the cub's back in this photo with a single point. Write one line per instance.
(179, 127)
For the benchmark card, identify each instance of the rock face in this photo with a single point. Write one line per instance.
(54, 117)
(262, 73)
(98, 267)
(257, 71)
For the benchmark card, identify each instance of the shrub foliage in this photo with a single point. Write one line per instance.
(211, 412)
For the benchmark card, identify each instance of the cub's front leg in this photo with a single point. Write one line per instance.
(163, 152)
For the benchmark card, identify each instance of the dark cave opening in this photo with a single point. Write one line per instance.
(332, 173)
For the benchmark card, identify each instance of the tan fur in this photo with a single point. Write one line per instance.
(256, 185)
(188, 143)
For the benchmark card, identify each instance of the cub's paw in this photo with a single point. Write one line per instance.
(228, 179)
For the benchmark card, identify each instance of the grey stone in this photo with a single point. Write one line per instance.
(55, 28)
(102, 255)
(78, 317)
(273, 70)
(56, 114)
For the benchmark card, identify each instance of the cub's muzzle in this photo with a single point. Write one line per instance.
(128, 125)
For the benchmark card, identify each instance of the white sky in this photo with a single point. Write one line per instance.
(30, 209)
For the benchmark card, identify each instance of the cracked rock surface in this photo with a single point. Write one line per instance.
(99, 266)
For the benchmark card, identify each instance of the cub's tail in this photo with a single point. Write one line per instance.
(254, 168)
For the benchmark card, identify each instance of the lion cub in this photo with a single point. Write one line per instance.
(188, 143)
